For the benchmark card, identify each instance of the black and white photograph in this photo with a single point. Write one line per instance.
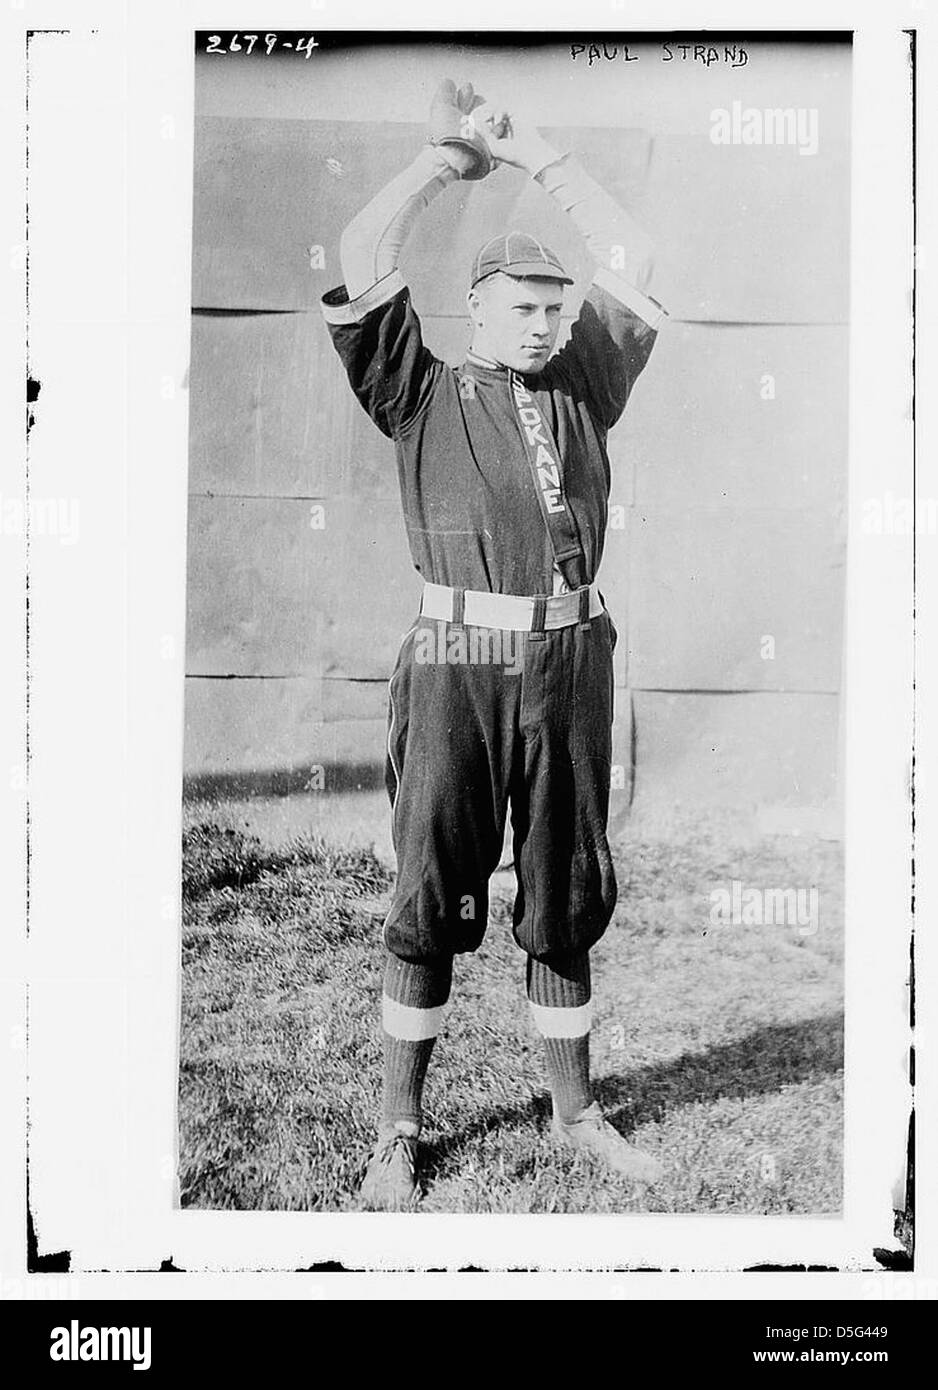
(487, 787)
(515, 591)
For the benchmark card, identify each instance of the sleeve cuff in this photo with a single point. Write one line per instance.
(565, 179)
(551, 157)
(647, 309)
(338, 308)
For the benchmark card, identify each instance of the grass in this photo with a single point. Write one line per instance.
(718, 1049)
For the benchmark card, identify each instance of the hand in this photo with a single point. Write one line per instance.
(510, 140)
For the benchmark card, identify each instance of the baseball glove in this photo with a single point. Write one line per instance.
(451, 123)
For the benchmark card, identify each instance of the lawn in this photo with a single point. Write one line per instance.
(718, 1048)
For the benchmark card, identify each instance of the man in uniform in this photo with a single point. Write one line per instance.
(504, 481)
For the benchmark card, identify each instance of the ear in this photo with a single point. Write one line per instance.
(474, 304)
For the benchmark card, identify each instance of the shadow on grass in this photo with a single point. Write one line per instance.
(784, 1054)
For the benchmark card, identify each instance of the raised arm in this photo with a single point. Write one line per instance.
(370, 317)
(371, 244)
(620, 248)
(614, 333)
(618, 245)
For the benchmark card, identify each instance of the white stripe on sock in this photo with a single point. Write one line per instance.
(408, 1024)
(562, 1023)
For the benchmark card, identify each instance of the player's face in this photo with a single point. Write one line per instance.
(516, 321)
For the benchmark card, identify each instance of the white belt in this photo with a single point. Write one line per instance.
(509, 611)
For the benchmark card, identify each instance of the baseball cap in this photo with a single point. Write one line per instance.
(517, 254)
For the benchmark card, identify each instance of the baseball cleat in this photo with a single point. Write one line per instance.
(593, 1134)
(390, 1182)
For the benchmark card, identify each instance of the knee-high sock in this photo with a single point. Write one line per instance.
(559, 996)
(411, 1014)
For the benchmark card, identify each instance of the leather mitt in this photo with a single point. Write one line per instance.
(451, 123)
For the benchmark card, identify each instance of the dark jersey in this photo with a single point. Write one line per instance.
(469, 494)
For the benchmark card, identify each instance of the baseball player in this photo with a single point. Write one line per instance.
(504, 480)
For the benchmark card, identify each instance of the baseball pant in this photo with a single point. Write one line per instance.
(478, 718)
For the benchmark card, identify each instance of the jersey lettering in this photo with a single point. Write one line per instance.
(547, 471)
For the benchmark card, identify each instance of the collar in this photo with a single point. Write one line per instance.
(475, 359)
(485, 367)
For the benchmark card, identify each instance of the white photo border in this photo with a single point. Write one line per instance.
(109, 323)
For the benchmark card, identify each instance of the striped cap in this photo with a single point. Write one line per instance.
(517, 254)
